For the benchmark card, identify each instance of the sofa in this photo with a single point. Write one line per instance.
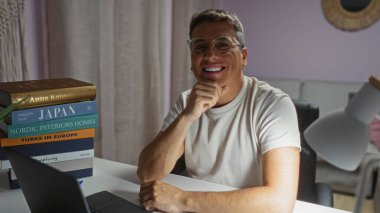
(329, 96)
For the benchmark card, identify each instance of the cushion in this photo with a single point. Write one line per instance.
(328, 95)
(290, 86)
(375, 132)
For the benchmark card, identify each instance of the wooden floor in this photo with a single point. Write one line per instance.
(347, 203)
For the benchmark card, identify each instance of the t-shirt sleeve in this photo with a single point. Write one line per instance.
(175, 111)
(279, 126)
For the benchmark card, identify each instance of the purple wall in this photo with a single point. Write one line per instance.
(285, 39)
(292, 39)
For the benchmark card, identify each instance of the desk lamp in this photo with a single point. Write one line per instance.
(341, 137)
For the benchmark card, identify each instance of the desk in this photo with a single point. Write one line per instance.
(121, 180)
(377, 194)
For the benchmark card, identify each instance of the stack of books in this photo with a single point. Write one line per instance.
(55, 124)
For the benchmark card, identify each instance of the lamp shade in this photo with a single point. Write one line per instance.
(342, 137)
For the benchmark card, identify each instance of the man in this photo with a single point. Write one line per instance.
(233, 130)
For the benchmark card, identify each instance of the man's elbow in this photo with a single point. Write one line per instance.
(143, 173)
(283, 205)
(286, 208)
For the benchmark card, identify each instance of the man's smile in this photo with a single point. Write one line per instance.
(213, 68)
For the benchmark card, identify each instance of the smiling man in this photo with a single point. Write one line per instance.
(233, 129)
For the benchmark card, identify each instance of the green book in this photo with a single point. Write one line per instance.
(52, 126)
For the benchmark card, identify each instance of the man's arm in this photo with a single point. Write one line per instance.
(159, 157)
(278, 193)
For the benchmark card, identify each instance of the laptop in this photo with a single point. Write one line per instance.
(49, 190)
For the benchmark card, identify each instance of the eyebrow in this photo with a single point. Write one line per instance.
(212, 38)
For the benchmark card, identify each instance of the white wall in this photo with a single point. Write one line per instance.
(292, 39)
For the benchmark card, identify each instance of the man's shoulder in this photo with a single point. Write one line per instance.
(262, 89)
(185, 95)
(186, 92)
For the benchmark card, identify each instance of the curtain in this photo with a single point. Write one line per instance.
(125, 47)
(12, 41)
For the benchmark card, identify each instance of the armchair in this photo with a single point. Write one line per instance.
(308, 189)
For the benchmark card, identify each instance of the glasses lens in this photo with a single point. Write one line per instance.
(222, 44)
(199, 45)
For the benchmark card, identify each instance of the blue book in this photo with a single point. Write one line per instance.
(52, 126)
(52, 147)
(81, 173)
(53, 112)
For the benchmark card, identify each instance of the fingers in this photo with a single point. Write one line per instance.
(157, 195)
(146, 195)
(149, 205)
(208, 88)
(207, 94)
(150, 196)
(146, 190)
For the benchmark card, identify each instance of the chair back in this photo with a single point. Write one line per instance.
(307, 113)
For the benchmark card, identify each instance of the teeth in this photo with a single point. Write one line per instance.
(212, 69)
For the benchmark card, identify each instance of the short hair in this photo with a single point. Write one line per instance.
(214, 15)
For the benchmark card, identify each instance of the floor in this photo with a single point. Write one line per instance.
(347, 203)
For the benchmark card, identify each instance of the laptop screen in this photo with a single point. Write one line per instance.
(45, 188)
(49, 190)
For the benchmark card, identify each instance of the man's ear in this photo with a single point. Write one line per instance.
(244, 58)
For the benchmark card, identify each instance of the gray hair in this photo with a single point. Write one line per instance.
(214, 15)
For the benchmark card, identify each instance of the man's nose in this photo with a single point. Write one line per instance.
(210, 52)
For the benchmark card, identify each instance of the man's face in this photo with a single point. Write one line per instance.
(224, 67)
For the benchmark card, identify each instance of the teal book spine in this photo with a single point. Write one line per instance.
(53, 112)
(52, 126)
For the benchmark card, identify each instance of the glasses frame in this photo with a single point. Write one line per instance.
(233, 40)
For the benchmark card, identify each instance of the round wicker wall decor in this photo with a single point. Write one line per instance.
(350, 15)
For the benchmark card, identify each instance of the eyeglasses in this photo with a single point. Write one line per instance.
(222, 44)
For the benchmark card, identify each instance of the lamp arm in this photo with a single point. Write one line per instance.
(372, 161)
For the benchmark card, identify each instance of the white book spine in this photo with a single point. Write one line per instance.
(53, 158)
(66, 166)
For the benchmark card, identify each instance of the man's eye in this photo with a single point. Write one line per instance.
(222, 45)
(200, 46)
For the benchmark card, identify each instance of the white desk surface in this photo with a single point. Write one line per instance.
(121, 180)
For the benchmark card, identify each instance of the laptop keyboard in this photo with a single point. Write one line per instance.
(92, 210)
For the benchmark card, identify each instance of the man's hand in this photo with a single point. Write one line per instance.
(204, 96)
(157, 195)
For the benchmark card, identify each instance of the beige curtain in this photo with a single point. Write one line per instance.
(125, 48)
(12, 41)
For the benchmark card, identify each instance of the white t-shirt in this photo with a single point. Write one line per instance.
(225, 145)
